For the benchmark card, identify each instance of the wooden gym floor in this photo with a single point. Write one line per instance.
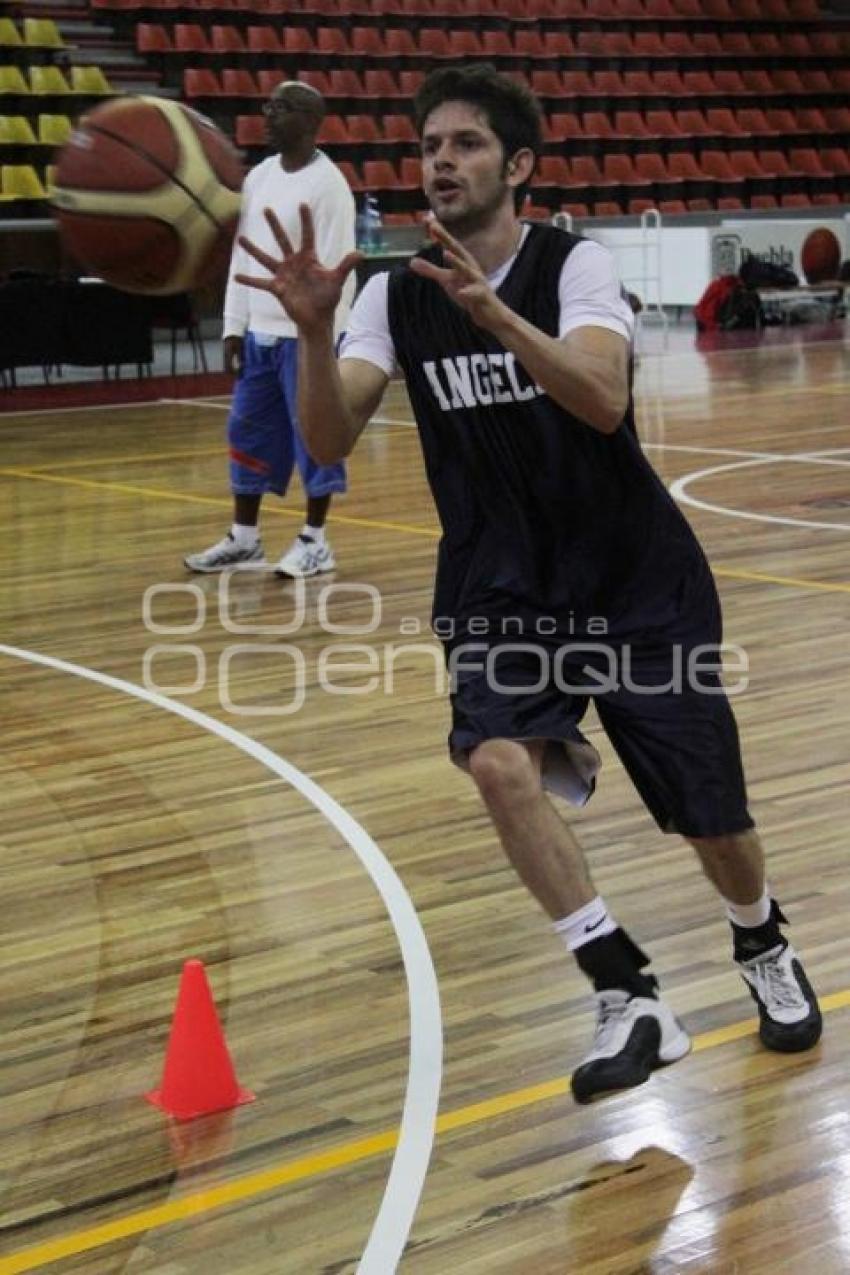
(147, 822)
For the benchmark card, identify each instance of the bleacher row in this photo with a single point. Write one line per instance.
(520, 50)
(625, 13)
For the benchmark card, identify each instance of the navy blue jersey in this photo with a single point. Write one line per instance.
(542, 515)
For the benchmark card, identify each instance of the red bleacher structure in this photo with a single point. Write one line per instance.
(686, 104)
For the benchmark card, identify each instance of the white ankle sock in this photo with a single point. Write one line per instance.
(245, 537)
(593, 921)
(749, 915)
(316, 534)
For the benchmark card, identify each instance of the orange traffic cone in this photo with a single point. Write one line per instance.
(198, 1075)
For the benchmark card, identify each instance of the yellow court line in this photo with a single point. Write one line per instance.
(325, 1162)
(733, 573)
(431, 532)
(62, 480)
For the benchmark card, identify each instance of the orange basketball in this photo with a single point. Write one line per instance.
(821, 255)
(146, 195)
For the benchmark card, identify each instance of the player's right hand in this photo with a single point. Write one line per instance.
(308, 291)
(233, 355)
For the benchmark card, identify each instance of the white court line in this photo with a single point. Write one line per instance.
(92, 407)
(416, 1133)
(197, 402)
(679, 490)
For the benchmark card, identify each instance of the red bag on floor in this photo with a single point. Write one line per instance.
(707, 309)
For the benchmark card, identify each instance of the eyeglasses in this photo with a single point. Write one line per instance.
(280, 106)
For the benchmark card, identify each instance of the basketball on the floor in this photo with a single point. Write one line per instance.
(147, 194)
(821, 255)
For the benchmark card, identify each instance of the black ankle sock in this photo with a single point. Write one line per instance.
(615, 962)
(749, 941)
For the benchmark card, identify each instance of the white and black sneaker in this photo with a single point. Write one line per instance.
(789, 1014)
(227, 555)
(306, 557)
(634, 1036)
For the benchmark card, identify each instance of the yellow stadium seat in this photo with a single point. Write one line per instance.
(10, 36)
(42, 33)
(48, 79)
(50, 179)
(12, 81)
(21, 181)
(89, 79)
(54, 130)
(16, 130)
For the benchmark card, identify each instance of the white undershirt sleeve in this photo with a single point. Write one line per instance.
(367, 335)
(590, 292)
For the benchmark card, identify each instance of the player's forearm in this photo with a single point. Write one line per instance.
(590, 388)
(324, 417)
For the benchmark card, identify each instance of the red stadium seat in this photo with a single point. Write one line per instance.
(334, 132)
(721, 120)
(754, 121)
(597, 124)
(648, 44)
(251, 130)
(399, 128)
(331, 43)
(434, 43)
(298, 42)
(239, 82)
(730, 82)
(529, 45)
(152, 38)
(226, 39)
(662, 124)
(692, 123)
(630, 124)
(268, 79)
(812, 120)
(621, 170)
(401, 44)
(368, 43)
(381, 84)
(190, 38)
(363, 129)
(562, 126)
(795, 199)
(553, 171)
(736, 44)
(609, 84)
(200, 82)
(350, 174)
(264, 40)
(574, 84)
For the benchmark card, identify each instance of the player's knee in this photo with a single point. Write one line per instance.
(503, 771)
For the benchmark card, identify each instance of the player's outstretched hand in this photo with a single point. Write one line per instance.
(308, 291)
(461, 277)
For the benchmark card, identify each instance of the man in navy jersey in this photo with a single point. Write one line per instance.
(514, 341)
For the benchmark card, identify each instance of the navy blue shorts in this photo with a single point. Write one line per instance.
(262, 429)
(679, 746)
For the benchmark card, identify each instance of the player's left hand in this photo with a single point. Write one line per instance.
(461, 278)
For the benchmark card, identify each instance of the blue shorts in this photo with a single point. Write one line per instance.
(262, 429)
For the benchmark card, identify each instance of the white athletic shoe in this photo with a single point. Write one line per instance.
(305, 557)
(226, 556)
(634, 1035)
(789, 1015)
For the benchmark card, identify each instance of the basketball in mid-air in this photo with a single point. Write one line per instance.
(821, 255)
(146, 193)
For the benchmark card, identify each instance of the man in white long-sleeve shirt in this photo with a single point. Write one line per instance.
(260, 343)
